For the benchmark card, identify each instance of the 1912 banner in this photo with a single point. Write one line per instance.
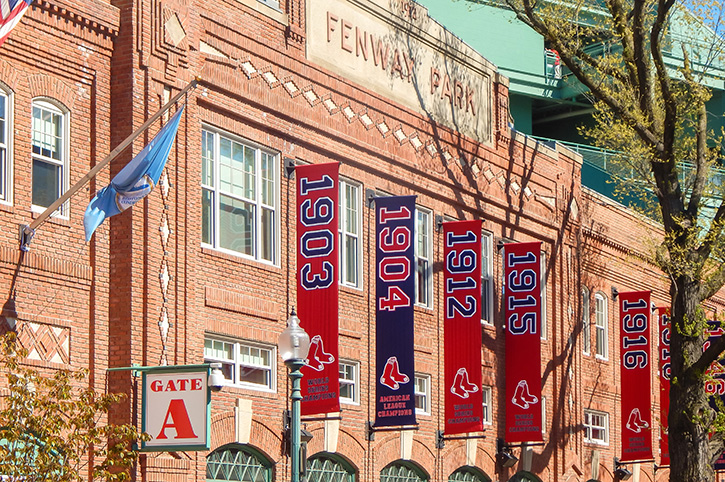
(635, 349)
(317, 296)
(522, 302)
(462, 327)
(395, 291)
(665, 370)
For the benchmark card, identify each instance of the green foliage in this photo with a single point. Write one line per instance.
(52, 428)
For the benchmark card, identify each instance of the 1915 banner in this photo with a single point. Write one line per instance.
(462, 328)
(665, 370)
(317, 295)
(395, 285)
(522, 302)
(635, 349)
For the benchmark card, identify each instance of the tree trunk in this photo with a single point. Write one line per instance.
(690, 414)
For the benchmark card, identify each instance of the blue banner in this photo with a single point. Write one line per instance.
(395, 292)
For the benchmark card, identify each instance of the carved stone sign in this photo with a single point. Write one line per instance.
(395, 49)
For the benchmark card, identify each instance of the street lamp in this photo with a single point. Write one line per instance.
(294, 344)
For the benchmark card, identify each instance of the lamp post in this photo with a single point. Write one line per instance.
(294, 344)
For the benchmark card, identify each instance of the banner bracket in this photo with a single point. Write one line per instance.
(370, 430)
(441, 438)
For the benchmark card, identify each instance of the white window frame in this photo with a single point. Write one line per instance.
(601, 319)
(543, 415)
(487, 276)
(6, 147)
(544, 298)
(55, 108)
(487, 401)
(424, 395)
(259, 206)
(344, 213)
(354, 382)
(236, 363)
(590, 426)
(586, 322)
(426, 256)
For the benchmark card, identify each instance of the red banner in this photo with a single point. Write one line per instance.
(664, 320)
(522, 301)
(635, 349)
(317, 298)
(462, 328)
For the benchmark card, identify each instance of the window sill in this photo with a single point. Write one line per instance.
(267, 11)
(238, 258)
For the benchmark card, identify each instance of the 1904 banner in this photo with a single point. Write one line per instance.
(522, 302)
(395, 285)
(317, 295)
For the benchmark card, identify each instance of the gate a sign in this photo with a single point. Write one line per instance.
(176, 408)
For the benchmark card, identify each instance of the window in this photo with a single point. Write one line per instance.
(403, 471)
(468, 474)
(486, 278)
(243, 364)
(238, 463)
(596, 427)
(600, 318)
(544, 313)
(543, 414)
(586, 329)
(349, 382)
(423, 258)
(329, 468)
(422, 394)
(271, 3)
(240, 195)
(350, 222)
(6, 172)
(486, 394)
(49, 133)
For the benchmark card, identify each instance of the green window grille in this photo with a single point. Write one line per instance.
(402, 472)
(524, 476)
(468, 474)
(237, 463)
(327, 468)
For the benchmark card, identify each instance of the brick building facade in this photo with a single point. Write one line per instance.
(171, 282)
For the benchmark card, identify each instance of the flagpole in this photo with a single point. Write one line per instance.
(28, 231)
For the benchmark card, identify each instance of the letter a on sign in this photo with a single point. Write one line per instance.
(176, 408)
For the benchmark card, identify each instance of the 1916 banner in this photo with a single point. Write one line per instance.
(665, 370)
(522, 302)
(635, 349)
(395, 285)
(317, 296)
(462, 328)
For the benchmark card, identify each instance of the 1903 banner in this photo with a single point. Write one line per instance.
(522, 302)
(395, 285)
(317, 295)
(462, 327)
(635, 328)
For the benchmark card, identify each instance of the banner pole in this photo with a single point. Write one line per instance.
(28, 231)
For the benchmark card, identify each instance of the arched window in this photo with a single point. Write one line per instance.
(602, 326)
(524, 476)
(403, 471)
(329, 468)
(49, 133)
(238, 463)
(468, 474)
(586, 327)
